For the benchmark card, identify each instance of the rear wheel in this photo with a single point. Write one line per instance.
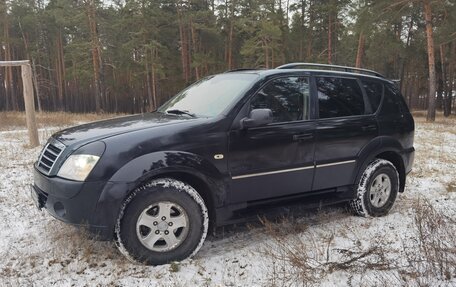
(376, 190)
(163, 221)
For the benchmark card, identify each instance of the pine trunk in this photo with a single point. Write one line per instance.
(96, 55)
(149, 85)
(450, 76)
(33, 66)
(310, 34)
(60, 71)
(360, 53)
(330, 36)
(442, 79)
(194, 48)
(154, 89)
(303, 27)
(230, 46)
(11, 101)
(431, 59)
(230, 62)
(35, 83)
(272, 58)
(184, 47)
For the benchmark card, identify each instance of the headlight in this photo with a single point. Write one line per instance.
(77, 167)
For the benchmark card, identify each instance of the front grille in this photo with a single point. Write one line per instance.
(49, 156)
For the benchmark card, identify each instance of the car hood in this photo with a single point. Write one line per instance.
(102, 129)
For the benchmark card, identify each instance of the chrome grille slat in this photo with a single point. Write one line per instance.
(51, 152)
(46, 161)
(49, 159)
(49, 156)
(53, 148)
(42, 163)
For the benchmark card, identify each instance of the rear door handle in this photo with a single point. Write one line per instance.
(302, 137)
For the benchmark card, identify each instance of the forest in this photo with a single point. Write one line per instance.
(130, 56)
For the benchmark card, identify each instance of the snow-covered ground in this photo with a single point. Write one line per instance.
(328, 247)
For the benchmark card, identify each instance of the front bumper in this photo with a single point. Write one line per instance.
(72, 202)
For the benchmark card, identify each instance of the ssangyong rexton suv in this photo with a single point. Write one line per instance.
(224, 147)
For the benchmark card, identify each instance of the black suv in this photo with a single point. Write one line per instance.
(224, 147)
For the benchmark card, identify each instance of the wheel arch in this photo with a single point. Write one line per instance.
(202, 187)
(397, 161)
(386, 148)
(199, 173)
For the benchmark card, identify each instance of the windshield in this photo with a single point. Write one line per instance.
(210, 96)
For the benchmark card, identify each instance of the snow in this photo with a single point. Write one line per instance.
(37, 250)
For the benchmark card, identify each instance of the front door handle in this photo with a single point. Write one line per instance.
(302, 137)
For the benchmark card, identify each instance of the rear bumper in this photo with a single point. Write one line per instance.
(72, 202)
(409, 157)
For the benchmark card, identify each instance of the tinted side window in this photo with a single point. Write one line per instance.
(288, 98)
(338, 97)
(374, 91)
(391, 104)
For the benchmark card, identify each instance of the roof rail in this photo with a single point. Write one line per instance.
(240, 70)
(331, 67)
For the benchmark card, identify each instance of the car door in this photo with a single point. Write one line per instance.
(344, 127)
(276, 159)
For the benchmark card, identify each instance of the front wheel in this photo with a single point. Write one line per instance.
(376, 190)
(163, 221)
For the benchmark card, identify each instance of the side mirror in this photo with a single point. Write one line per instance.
(257, 117)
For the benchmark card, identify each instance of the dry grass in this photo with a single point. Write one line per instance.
(441, 123)
(439, 114)
(432, 254)
(305, 258)
(434, 156)
(12, 120)
(451, 186)
(302, 258)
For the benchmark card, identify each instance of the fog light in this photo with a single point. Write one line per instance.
(59, 209)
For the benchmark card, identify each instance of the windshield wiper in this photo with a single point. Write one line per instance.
(181, 112)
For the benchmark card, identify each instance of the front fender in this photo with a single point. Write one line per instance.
(151, 165)
(140, 167)
(154, 164)
(148, 166)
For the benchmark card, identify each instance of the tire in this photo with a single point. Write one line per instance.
(377, 189)
(162, 221)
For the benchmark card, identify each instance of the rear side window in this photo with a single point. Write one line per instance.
(339, 97)
(391, 103)
(374, 91)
